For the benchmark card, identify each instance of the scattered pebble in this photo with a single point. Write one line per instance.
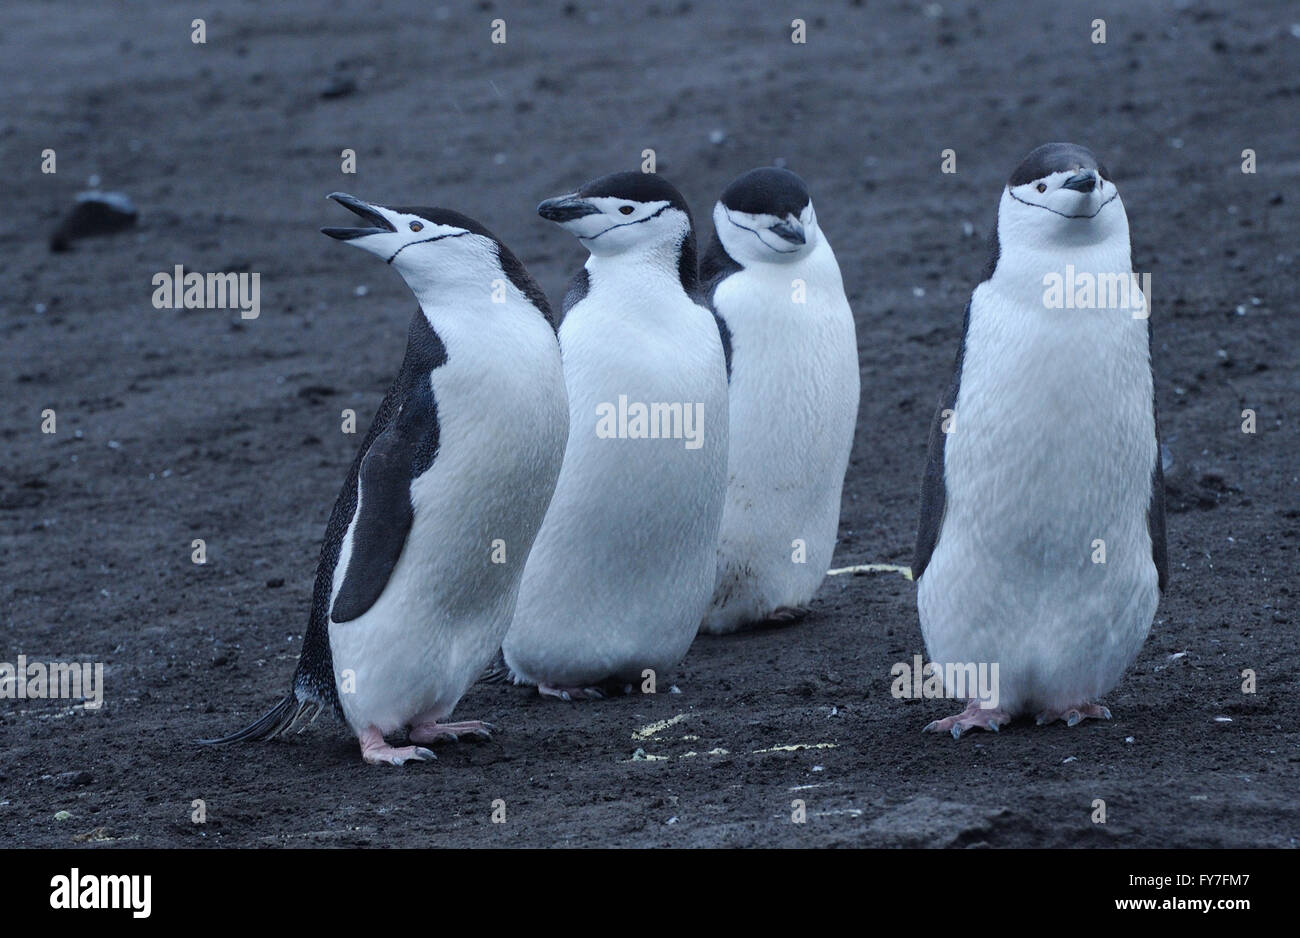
(1129, 739)
(360, 290)
(95, 213)
(717, 137)
(918, 291)
(1070, 759)
(340, 86)
(1223, 719)
(62, 815)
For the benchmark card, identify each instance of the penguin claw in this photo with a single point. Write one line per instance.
(973, 717)
(785, 615)
(571, 694)
(375, 751)
(431, 731)
(388, 755)
(1073, 716)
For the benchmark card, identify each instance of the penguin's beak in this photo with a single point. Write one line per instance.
(565, 208)
(791, 231)
(370, 213)
(1084, 181)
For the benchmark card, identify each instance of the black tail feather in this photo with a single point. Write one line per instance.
(277, 721)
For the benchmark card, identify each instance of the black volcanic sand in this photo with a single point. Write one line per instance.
(183, 424)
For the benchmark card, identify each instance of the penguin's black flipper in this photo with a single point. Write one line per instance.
(1156, 506)
(400, 454)
(934, 494)
(498, 672)
(275, 722)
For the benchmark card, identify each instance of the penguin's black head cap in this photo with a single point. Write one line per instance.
(1063, 179)
(629, 211)
(764, 216)
(768, 190)
(1053, 158)
(430, 245)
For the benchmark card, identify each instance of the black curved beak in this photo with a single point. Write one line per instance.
(364, 210)
(1084, 181)
(565, 208)
(791, 231)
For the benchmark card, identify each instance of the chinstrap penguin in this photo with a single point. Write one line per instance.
(1041, 545)
(426, 545)
(774, 283)
(623, 567)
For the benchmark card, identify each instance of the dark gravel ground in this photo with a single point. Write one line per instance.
(175, 425)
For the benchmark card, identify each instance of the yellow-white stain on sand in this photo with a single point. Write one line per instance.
(873, 568)
(793, 747)
(651, 730)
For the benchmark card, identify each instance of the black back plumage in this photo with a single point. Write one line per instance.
(404, 435)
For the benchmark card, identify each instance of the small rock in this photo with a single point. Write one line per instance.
(96, 213)
(339, 86)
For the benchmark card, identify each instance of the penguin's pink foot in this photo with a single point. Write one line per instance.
(431, 732)
(973, 717)
(570, 694)
(377, 752)
(1074, 715)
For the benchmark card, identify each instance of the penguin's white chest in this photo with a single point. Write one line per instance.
(1043, 563)
(793, 406)
(623, 566)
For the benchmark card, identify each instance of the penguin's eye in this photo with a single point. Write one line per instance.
(1042, 187)
(416, 226)
(625, 209)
